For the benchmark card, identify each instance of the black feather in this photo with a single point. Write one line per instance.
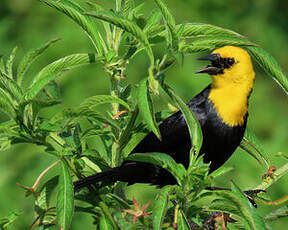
(219, 142)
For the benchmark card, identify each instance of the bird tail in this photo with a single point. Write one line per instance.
(108, 176)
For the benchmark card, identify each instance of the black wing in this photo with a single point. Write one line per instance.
(174, 131)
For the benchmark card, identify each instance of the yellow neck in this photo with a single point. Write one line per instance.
(230, 101)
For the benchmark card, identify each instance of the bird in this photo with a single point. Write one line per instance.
(222, 111)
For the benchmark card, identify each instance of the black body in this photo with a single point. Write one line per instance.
(219, 142)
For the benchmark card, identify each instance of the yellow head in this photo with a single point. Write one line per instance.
(240, 72)
(232, 82)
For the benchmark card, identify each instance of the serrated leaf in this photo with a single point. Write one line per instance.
(74, 11)
(170, 23)
(160, 207)
(236, 203)
(182, 221)
(108, 216)
(252, 146)
(152, 21)
(221, 41)
(146, 107)
(133, 142)
(95, 158)
(220, 171)
(9, 219)
(270, 66)
(10, 63)
(76, 138)
(192, 123)
(127, 25)
(163, 160)
(277, 214)
(189, 49)
(2, 65)
(43, 200)
(255, 220)
(106, 25)
(102, 99)
(105, 223)
(5, 144)
(127, 7)
(10, 86)
(30, 57)
(44, 103)
(126, 134)
(196, 29)
(52, 70)
(7, 103)
(65, 198)
(87, 113)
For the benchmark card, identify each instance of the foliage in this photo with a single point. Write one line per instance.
(68, 135)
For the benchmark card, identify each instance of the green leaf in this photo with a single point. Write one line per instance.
(2, 65)
(221, 41)
(10, 63)
(170, 23)
(88, 113)
(49, 217)
(105, 223)
(133, 142)
(192, 122)
(163, 160)
(127, 132)
(277, 214)
(220, 171)
(255, 220)
(101, 160)
(74, 11)
(42, 201)
(10, 86)
(102, 99)
(108, 217)
(236, 203)
(7, 104)
(146, 107)
(65, 198)
(182, 221)
(127, 8)
(160, 207)
(196, 29)
(9, 219)
(126, 25)
(76, 138)
(152, 21)
(252, 146)
(189, 49)
(30, 57)
(52, 70)
(270, 65)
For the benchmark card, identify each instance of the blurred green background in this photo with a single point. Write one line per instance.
(29, 23)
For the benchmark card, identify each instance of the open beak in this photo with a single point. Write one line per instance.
(210, 69)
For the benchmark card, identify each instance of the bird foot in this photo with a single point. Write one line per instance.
(249, 193)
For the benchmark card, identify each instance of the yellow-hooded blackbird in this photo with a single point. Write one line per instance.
(221, 109)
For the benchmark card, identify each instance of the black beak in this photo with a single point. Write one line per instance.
(210, 69)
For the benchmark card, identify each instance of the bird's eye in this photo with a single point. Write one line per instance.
(231, 61)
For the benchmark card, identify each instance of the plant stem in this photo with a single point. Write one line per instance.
(276, 176)
(115, 81)
(43, 174)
